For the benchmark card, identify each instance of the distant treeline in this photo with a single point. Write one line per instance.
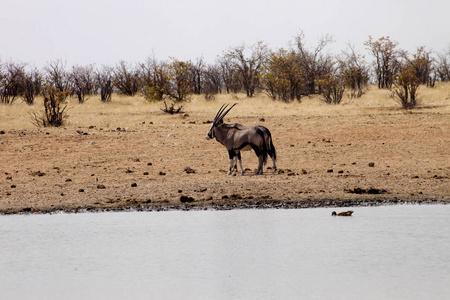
(283, 74)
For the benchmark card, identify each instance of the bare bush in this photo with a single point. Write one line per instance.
(31, 85)
(11, 75)
(104, 83)
(313, 63)
(443, 65)
(249, 66)
(197, 75)
(212, 82)
(57, 76)
(126, 79)
(231, 78)
(355, 72)
(83, 82)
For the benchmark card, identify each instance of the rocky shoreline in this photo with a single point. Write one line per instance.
(256, 204)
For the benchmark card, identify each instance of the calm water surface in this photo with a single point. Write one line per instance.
(392, 252)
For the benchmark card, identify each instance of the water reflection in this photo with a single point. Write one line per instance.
(393, 252)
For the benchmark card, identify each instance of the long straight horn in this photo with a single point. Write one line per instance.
(225, 113)
(221, 109)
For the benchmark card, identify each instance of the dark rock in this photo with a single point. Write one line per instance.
(186, 199)
(101, 187)
(145, 173)
(189, 170)
(162, 173)
(371, 164)
(330, 170)
(134, 184)
(81, 190)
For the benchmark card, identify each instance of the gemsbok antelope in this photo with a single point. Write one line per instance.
(237, 138)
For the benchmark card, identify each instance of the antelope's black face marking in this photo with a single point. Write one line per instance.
(210, 134)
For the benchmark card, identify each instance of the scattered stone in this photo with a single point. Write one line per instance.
(145, 173)
(134, 184)
(371, 164)
(224, 197)
(370, 191)
(186, 199)
(2, 132)
(129, 171)
(149, 164)
(38, 173)
(81, 190)
(68, 180)
(180, 191)
(330, 170)
(162, 173)
(189, 170)
(101, 187)
(341, 171)
(13, 186)
(26, 209)
(262, 120)
(304, 172)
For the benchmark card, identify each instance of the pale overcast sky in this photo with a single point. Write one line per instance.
(107, 31)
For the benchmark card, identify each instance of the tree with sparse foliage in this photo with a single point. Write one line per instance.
(386, 64)
(332, 86)
(406, 83)
(249, 66)
(314, 64)
(282, 77)
(355, 72)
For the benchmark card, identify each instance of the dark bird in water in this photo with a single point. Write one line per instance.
(343, 214)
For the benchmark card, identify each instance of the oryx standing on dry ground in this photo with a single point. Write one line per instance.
(236, 138)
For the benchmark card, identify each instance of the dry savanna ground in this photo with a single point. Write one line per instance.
(128, 154)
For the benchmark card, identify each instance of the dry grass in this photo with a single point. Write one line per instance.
(409, 149)
(126, 111)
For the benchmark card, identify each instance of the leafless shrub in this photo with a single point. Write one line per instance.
(126, 79)
(31, 85)
(355, 72)
(197, 75)
(313, 63)
(212, 82)
(249, 66)
(104, 83)
(83, 82)
(11, 75)
(57, 76)
(443, 65)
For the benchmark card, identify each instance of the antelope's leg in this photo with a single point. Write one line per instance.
(238, 155)
(231, 155)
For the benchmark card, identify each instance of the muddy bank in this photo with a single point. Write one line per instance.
(229, 205)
